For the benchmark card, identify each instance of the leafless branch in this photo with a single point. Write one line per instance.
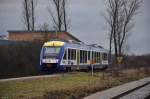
(120, 14)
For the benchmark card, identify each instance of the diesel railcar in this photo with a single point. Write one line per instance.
(66, 56)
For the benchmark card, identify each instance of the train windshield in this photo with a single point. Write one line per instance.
(51, 51)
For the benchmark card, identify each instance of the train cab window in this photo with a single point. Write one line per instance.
(51, 51)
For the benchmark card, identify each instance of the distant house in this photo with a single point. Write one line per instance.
(40, 36)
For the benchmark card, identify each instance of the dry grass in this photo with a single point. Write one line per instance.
(72, 86)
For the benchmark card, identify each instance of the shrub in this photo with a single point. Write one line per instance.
(19, 59)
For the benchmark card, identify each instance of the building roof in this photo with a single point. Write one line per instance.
(39, 31)
(36, 31)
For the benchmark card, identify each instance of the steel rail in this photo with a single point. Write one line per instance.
(129, 91)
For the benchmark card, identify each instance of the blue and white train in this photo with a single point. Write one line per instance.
(66, 56)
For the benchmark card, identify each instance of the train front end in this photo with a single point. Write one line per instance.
(50, 56)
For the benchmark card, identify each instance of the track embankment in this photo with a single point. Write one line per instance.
(123, 91)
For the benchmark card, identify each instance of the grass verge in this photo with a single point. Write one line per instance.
(69, 86)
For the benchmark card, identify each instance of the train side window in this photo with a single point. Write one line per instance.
(85, 56)
(81, 56)
(92, 55)
(104, 56)
(65, 55)
(74, 54)
(95, 57)
(99, 57)
(88, 55)
(69, 54)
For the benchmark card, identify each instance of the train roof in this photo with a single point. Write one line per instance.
(83, 46)
(77, 45)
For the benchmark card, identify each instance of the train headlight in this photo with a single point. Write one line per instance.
(50, 60)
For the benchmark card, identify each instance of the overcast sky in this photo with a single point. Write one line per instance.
(87, 22)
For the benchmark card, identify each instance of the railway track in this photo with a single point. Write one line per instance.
(134, 90)
(140, 92)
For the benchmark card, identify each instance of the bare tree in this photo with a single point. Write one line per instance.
(29, 14)
(120, 14)
(59, 15)
(33, 15)
(26, 14)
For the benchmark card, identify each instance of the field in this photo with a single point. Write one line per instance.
(74, 85)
